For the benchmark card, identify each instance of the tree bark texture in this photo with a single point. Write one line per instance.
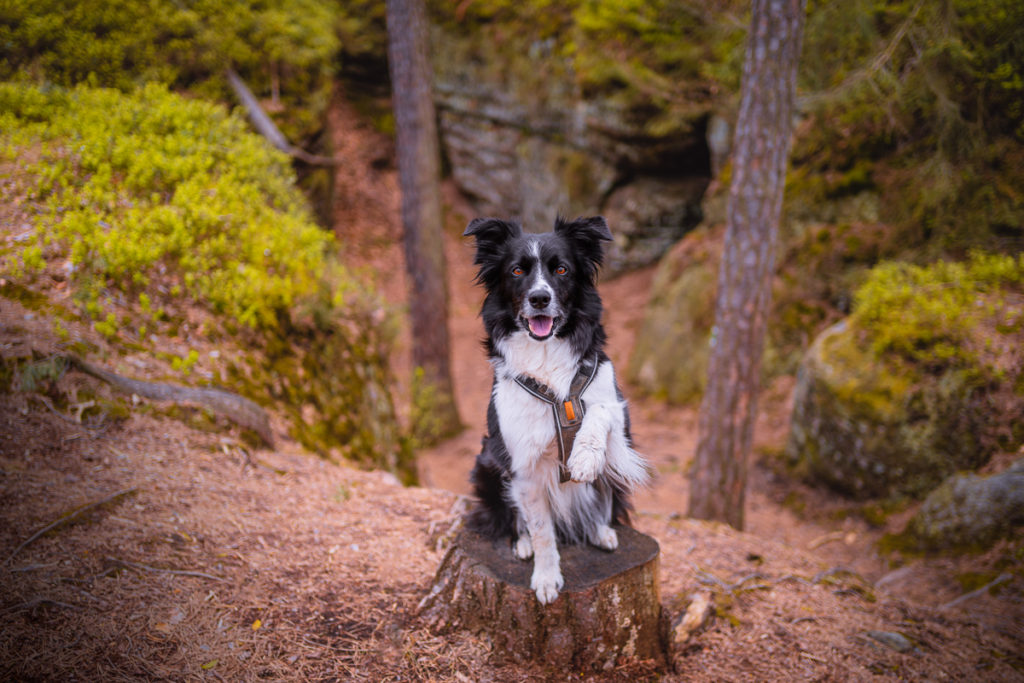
(608, 612)
(419, 177)
(760, 154)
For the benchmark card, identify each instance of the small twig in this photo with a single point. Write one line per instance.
(68, 518)
(827, 538)
(92, 597)
(177, 572)
(70, 420)
(33, 567)
(36, 602)
(999, 580)
(808, 655)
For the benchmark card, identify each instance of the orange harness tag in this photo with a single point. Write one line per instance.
(569, 412)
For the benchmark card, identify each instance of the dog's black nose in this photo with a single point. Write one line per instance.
(540, 299)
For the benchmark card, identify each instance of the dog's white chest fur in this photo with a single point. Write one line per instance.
(526, 423)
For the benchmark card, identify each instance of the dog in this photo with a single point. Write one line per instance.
(557, 463)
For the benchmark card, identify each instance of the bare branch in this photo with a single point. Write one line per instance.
(266, 127)
(68, 518)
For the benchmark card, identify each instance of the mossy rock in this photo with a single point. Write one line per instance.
(671, 354)
(875, 427)
(969, 511)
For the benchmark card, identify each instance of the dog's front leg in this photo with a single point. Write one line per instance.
(531, 499)
(587, 459)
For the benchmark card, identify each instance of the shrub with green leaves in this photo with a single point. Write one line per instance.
(135, 186)
(942, 315)
(284, 48)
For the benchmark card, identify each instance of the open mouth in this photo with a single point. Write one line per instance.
(540, 326)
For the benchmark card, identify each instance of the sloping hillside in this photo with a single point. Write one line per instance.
(137, 546)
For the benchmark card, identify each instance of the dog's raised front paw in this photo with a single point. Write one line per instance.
(547, 583)
(523, 548)
(605, 537)
(586, 460)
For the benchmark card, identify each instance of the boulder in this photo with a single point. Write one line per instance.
(671, 353)
(872, 427)
(969, 510)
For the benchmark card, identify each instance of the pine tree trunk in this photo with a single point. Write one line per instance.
(607, 614)
(434, 410)
(761, 149)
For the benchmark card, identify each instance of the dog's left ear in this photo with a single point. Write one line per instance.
(592, 229)
(586, 235)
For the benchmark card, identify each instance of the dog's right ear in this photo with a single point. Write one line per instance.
(492, 230)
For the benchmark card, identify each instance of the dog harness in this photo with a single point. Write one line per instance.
(568, 414)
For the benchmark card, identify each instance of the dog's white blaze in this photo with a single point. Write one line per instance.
(539, 281)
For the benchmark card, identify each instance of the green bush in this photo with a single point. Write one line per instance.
(283, 48)
(921, 102)
(135, 186)
(935, 316)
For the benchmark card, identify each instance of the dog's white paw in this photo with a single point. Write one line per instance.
(606, 538)
(586, 460)
(523, 548)
(547, 583)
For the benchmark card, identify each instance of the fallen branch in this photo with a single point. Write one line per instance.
(998, 581)
(239, 410)
(266, 127)
(125, 564)
(69, 518)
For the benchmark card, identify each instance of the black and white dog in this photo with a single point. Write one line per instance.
(557, 462)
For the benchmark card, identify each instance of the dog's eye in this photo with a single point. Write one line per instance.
(517, 271)
(561, 270)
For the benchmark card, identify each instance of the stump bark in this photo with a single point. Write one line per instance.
(608, 612)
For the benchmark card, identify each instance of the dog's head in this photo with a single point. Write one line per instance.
(543, 283)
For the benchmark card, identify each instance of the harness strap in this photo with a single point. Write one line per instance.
(568, 414)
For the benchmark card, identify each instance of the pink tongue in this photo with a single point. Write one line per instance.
(540, 325)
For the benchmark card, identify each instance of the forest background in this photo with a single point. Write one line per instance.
(140, 207)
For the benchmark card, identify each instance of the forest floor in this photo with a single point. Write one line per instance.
(175, 553)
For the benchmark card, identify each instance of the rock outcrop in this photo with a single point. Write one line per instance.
(871, 429)
(532, 154)
(968, 510)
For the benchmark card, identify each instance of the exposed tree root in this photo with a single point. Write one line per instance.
(239, 410)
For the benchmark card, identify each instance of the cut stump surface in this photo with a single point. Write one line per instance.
(607, 613)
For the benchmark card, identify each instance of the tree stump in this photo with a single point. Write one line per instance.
(608, 612)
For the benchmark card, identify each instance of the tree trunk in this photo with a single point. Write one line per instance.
(434, 411)
(761, 149)
(607, 614)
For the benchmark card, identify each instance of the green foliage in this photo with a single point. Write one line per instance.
(143, 186)
(284, 48)
(921, 101)
(931, 315)
(656, 60)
